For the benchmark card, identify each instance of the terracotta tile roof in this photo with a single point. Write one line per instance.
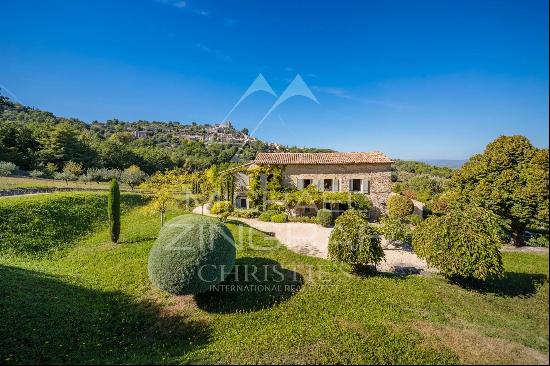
(322, 158)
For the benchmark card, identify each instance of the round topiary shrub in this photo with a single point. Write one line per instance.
(464, 243)
(220, 207)
(399, 206)
(191, 254)
(324, 217)
(281, 217)
(354, 241)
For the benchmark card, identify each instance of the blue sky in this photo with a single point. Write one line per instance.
(417, 80)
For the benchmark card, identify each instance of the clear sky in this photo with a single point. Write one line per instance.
(415, 79)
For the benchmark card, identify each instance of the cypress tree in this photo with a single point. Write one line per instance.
(113, 207)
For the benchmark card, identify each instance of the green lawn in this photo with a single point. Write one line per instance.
(92, 303)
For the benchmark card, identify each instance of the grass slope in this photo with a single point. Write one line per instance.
(94, 304)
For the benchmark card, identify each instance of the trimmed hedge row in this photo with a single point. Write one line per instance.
(35, 225)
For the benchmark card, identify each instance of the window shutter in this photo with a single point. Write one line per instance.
(321, 185)
(335, 185)
(350, 185)
(366, 186)
(300, 183)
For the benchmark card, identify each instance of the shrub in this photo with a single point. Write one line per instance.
(413, 219)
(360, 202)
(324, 217)
(399, 206)
(113, 209)
(220, 207)
(192, 253)
(66, 176)
(246, 213)
(280, 217)
(465, 243)
(73, 168)
(305, 219)
(354, 241)
(133, 176)
(396, 230)
(36, 173)
(266, 215)
(538, 241)
(7, 168)
(38, 224)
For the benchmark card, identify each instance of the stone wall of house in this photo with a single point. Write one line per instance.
(378, 176)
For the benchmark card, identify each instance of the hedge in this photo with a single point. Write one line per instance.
(191, 254)
(279, 218)
(36, 225)
(266, 215)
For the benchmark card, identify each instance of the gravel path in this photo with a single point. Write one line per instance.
(312, 240)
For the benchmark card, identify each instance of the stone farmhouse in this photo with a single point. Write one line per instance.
(368, 173)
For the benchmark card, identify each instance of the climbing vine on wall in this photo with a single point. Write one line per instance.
(274, 183)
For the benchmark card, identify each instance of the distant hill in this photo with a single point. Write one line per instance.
(453, 164)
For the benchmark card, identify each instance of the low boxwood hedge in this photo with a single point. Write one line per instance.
(280, 218)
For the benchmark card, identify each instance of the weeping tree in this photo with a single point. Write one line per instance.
(113, 207)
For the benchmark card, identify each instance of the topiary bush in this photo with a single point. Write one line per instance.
(465, 243)
(324, 217)
(266, 215)
(354, 241)
(396, 230)
(280, 217)
(191, 254)
(220, 207)
(400, 206)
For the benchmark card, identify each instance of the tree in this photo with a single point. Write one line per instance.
(17, 145)
(463, 244)
(73, 168)
(165, 188)
(510, 178)
(62, 144)
(400, 206)
(113, 207)
(66, 176)
(133, 176)
(354, 241)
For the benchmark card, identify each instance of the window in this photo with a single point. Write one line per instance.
(355, 185)
(308, 182)
(327, 185)
(242, 203)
